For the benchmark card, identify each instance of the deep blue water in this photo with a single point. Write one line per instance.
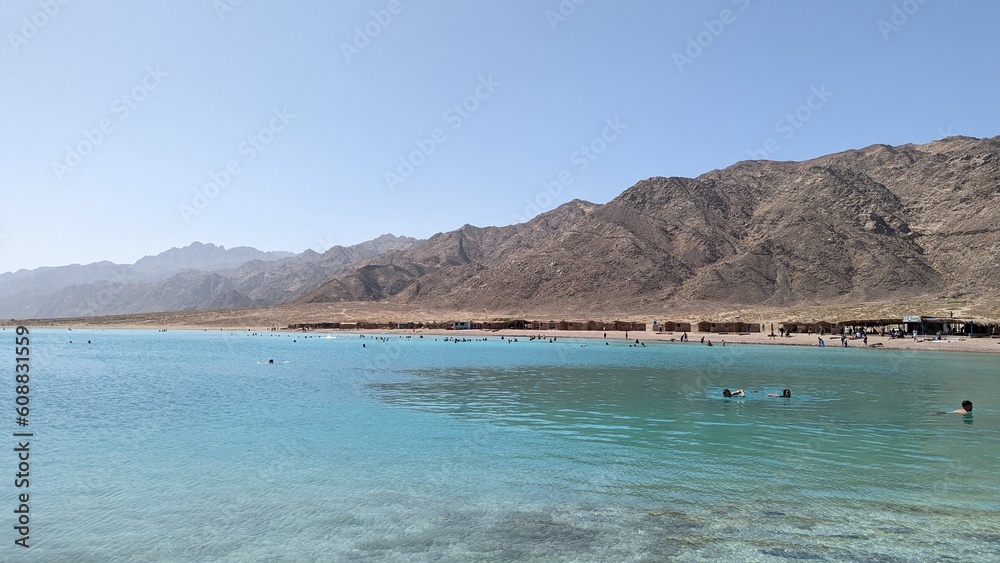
(189, 446)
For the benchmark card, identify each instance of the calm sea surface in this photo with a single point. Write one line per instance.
(189, 446)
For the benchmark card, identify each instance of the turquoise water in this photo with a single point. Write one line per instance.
(189, 446)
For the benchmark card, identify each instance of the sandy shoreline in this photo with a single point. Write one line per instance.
(269, 319)
(948, 344)
(954, 344)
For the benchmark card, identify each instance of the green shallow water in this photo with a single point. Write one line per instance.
(186, 446)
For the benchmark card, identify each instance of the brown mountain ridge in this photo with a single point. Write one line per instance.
(878, 223)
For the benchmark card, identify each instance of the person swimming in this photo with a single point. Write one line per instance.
(728, 394)
(271, 361)
(966, 408)
(786, 394)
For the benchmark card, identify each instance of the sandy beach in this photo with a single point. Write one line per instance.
(953, 344)
(278, 318)
(948, 344)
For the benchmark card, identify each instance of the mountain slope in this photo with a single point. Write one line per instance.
(203, 257)
(105, 288)
(876, 223)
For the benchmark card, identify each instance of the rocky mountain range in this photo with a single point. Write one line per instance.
(873, 224)
(198, 256)
(877, 223)
(198, 276)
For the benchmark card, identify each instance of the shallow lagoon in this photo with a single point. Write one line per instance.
(189, 446)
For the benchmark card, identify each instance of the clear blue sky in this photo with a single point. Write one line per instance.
(313, 104)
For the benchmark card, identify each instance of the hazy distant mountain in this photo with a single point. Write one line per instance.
(876, 223)
(204, 257)
(49, 278)
(199, 276)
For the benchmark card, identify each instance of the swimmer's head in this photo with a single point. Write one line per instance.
(967, 405)
(727, 393)
(787, 393)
